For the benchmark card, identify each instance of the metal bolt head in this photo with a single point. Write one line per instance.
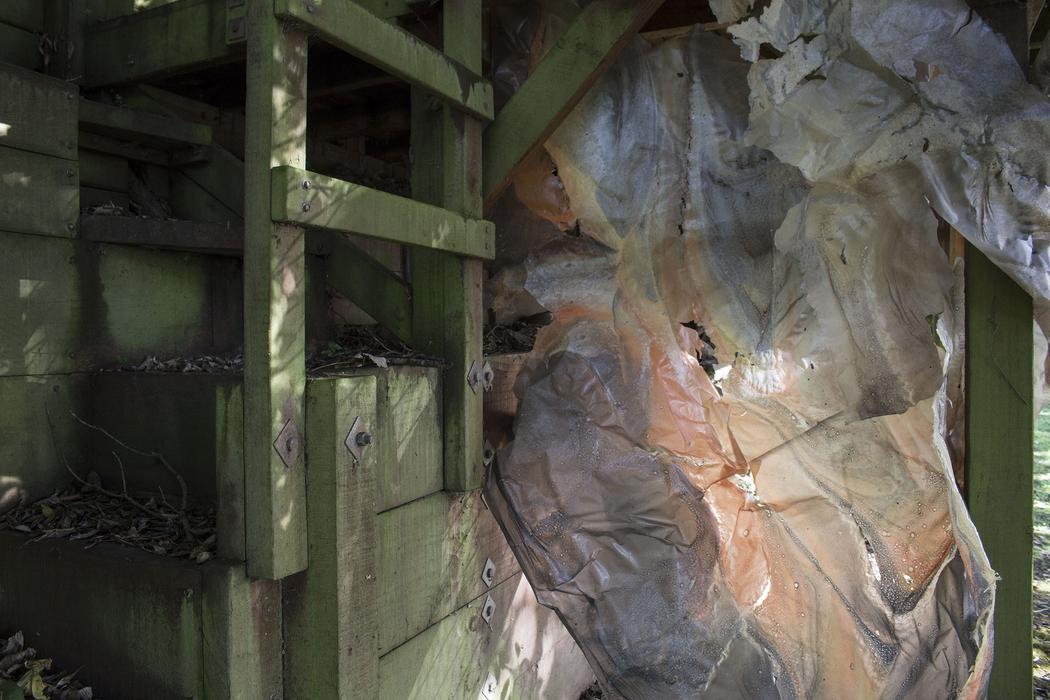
(488, 610)
(363, 439)
(490, 688)
(307, 184)
(306, 206)
(488, 574)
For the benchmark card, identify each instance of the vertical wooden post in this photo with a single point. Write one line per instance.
(446, 290)
(999, 444)
(274, 301)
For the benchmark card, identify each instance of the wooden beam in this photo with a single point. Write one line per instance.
(447, 305)
(365, 281)
(579, 57)
(141, 126)
(166, 234)
(309, 199)
(38, 113)
(999, 444)
(347, 25)
(38, 194)
(274, 303)
(331, 610)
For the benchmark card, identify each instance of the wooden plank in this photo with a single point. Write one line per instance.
(19, 47)
(331, 622)
(274, 302)
(38, 194)
(579, 57)
(432, 553)
(141, 126)
(104, 171)
(64, 28)
(221, 176)
(409, 441)
(349, 26)
(24, 14)
(362, 279)
(37, 113)
(524, 651)
(999, 461)
(229, 471)
(122, 149)
(163, 41)
(137, 632)
(337, 205)
(191, 201)
(447, 299)
(240, 635)
(165, 234)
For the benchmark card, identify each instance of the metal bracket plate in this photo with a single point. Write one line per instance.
(358, 439)
(488, 574)
(488, 453)
(488, 610)
(490, 689)
(487, 375)
(289, 443)
(474, 376)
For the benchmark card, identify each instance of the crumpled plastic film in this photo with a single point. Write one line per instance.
(730, 474)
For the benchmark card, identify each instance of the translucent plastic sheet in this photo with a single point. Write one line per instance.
(730, 475)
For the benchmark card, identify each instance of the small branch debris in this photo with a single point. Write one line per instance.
(517, 337)
(35, 677)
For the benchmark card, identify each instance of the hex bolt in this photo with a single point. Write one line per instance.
(306, 206)
(363, 439)
(307, 184)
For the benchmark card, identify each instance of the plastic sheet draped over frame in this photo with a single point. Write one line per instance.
(790, 526)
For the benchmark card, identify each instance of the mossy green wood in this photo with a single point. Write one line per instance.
(38, 113)
(410, 445)
(330, 610)
(999, 444)
(39, 194)
(24, 14)
(19, 47)
(524, 649)
(104, 171)
(318, 201)
(447, 303)
(141, 126)
(274, 302)
(241, 639)
(229, 471)
(579, 57)
(222, 176)
(349, 26)
(69, 305)
(174, 38)
(432, 554)
(359, 277)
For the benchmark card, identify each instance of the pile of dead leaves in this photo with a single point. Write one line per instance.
(515, 338)
(91, 514)
(23, 675)
(365, 346)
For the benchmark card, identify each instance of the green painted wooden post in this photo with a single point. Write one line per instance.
(446, 290)
(999, 437)
(331, 610)
(274, 302)
(589, 45)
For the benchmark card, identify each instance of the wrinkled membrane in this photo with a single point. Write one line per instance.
(730, 474)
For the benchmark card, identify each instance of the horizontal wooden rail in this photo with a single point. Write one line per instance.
(308, 199)
(140, 125)
(347, 25)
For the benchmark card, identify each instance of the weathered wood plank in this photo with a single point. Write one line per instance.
(308, 199)
(229, 472)
(274, 302)
(141, 126)
(24, 14)
(240, 635)
(999, 434)
(163, 41)
(168, 234)
(432, 554)
(524, 652)
(221, 176)
(103, 171)
(18, 47)
(362, 279)
(37, 113)
(122, 149)
(331, 611)
(38, 194)
(447, 304)
(352, 28)
(410, 444)
(579, 57)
